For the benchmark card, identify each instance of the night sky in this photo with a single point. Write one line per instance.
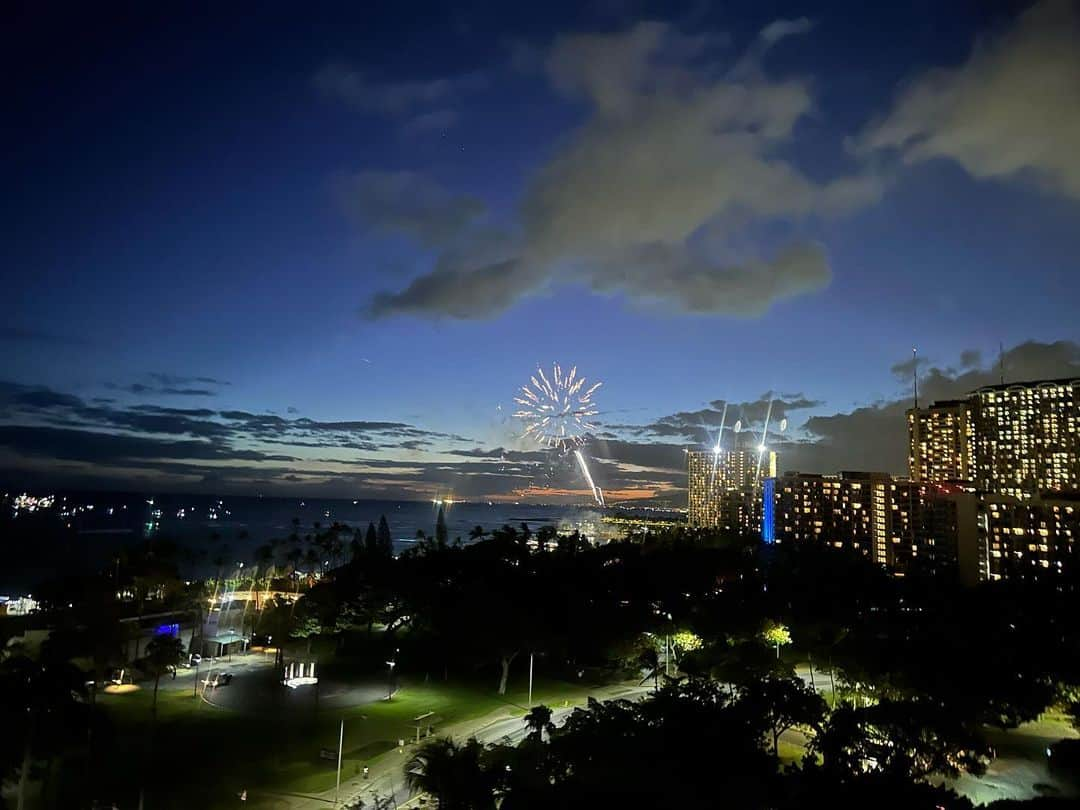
(255, 250)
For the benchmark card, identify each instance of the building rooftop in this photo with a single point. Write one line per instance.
(1020, 384)
(1028, 384)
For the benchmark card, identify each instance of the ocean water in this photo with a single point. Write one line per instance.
(265, 519)
(233, 527)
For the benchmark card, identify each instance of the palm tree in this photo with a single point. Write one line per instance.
(538, 721)
(649, 660)
(452, 773)
(311, 560)
(162, 653)
(196, 601)
(441, 533)
(293, 557)
(264, 564)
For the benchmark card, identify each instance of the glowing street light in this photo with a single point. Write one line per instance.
(390, 675)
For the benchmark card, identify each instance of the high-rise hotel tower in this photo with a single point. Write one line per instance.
(1018, 439)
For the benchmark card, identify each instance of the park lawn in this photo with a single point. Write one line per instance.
(790, 752)
(1058, 718)
(225, 751)
(375, 728)
(133, 708)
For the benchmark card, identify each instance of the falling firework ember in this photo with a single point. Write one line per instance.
(556, 411)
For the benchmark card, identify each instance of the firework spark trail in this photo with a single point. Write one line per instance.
(716, 450)
(597, 494)
(764, 435)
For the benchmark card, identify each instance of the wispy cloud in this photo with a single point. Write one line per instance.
(870, 437)
(172, 385)
(1010, 112)
(394, 97)
(653, 197)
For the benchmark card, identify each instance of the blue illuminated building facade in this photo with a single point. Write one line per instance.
(768, 511)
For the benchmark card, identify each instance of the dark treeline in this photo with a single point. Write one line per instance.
(904, 674)
(999, 653)
(897, 679)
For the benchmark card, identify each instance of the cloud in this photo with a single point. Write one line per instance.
(172, 385)
(780, 29)
(140, 390)
(679, 279)
(1011, 111)
(175, 380)
(702, 426)
(30, 397)
(32, 406)
(56, 438)
(874, 437)
(654, 198)
(394, 98)
(408, 204)
(905, 369)
(429, 121)
(871, 437)
(459, 293)
(52, 436)
(105, 448)
(970, 358)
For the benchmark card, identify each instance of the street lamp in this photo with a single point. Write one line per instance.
(667, 638)
(340, 745)
(390, 675)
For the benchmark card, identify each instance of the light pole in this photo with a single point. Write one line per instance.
(667, 645)
(530, 678)
(390, 675)
(340, 745)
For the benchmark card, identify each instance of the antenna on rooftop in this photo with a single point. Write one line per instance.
(1001, 361)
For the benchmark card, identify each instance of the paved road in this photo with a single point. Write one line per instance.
(1020, 770)
(240, 665)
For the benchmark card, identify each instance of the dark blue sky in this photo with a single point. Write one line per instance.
(393, 216)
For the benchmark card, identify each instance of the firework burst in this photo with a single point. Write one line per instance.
(557, 411)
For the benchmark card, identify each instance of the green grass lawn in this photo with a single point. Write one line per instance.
(790, 752)
(134, 708)
(211, 753)
(375, 728)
